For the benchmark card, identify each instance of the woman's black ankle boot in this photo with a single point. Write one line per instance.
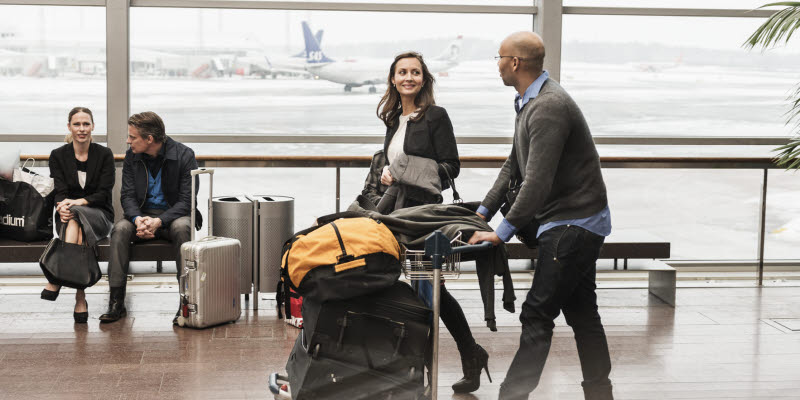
(472, 365)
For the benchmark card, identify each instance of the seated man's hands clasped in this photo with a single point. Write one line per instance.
(146, 227)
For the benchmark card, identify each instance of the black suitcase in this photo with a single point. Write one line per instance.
(369, 347)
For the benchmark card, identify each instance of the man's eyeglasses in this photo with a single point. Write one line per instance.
(517, 57)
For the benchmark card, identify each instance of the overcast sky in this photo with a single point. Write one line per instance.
(153, 27)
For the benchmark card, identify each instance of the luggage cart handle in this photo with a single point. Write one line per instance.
(194, 174)
(473, 247)
(437, 247)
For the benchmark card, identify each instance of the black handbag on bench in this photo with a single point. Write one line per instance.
(69, 264)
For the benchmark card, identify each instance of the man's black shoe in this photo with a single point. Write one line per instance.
(116, 306)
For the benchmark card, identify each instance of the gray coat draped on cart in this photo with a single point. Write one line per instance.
(413, 224)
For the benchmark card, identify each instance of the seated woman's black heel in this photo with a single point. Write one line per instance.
(50, 295)
(81, 317)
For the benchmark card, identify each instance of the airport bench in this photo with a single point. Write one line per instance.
(158, 250)
(635, 256)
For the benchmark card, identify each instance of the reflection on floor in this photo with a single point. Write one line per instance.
(718, 343)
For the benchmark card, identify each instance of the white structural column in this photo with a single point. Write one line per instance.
(547, 23)
(117, 83)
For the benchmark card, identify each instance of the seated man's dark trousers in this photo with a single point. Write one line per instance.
(122, 236)
(564, 281)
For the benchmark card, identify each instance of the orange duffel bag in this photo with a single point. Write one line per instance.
(346, 258)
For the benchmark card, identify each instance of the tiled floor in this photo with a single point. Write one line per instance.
(718, 343)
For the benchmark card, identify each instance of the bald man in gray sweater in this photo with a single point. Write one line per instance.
(551, 190)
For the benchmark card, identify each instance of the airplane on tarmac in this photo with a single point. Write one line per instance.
(254, 63)
(29, 57)
(20, 56)
(354, 73)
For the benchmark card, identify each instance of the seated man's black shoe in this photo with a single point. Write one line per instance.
(116, 306)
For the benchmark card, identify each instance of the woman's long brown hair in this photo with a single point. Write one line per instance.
(390, 106)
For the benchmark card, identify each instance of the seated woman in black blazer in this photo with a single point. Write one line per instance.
(416, 126)
(84, 177)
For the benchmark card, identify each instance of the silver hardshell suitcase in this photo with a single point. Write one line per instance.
(209, 283)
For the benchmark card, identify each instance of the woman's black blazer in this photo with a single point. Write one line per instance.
(431, 137)
(99, 176)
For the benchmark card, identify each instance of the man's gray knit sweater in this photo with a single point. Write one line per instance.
(557, 162)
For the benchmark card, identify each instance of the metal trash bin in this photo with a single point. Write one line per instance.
(233, 218)
(275, 227)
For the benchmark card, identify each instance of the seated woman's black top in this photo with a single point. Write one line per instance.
(100, 176)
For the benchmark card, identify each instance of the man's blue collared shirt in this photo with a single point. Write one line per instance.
(599, 223)
(155, 195)
(531, 92)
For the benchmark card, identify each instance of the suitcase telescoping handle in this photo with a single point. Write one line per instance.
(210, 173)
(276, 382)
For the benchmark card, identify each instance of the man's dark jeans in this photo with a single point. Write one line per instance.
(124, 233)
(564, 281)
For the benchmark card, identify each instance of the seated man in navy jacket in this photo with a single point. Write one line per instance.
(156, 200)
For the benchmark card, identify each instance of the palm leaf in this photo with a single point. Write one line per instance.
(789, 156)
(778, 28)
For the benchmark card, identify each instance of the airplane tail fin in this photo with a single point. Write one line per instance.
(313, 53)
(453, 51)
(318, 36)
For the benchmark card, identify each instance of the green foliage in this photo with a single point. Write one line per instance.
(779, 28)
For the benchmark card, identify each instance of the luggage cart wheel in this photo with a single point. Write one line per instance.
(315, 354)
(181, 321)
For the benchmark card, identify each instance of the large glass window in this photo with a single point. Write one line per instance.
(646, 76)
(436, 2)
(244, 71)
(51, 59)
(720, 4)
(783, 215)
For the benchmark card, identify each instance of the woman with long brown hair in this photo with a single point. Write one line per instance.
(83, 173)
(416, 126)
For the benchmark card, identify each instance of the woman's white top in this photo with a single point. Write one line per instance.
(82, 179)
(396, 145)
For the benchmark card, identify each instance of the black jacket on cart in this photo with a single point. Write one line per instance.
(413, 224)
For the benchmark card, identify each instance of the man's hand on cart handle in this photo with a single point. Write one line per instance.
(482, 236)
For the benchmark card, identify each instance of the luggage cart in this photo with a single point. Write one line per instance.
(440, 259)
